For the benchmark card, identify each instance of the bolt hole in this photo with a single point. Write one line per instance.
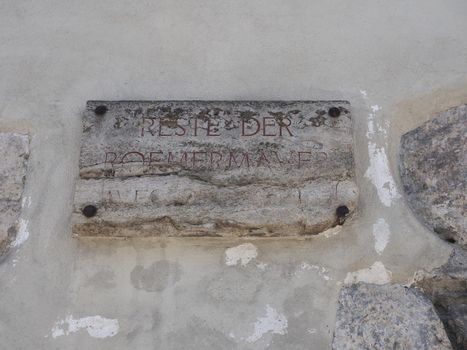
(101, 110)
(89, 211)
(341, 213)
(450, 240)
(334, 112)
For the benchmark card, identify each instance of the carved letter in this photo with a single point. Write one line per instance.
(300, 160)
(219, 159)
(197, 160)
(258, 126)
(262, 158)
(148, 128)
(161, 124)
(154, 160)
(245, 158)
(214, 130)
(286, 126)
(107, 159)
(182, 132)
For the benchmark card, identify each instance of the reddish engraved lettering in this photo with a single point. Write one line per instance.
(129, 154)
(146, 126)
(244, 131)
(217, 159)
(153, 159)
(212, 128)
(107, 159)
(263, 159)
(245, 158)
(250, 126)
(300, 159)
(286, 126)
(195, 160)
(267, 124)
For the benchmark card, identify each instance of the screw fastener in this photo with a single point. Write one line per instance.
(89, 211)
(101, 110)
(334, 112)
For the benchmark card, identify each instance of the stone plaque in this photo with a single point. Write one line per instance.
(214, 168)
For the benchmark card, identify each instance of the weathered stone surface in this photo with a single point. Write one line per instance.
(15, 151)
(387, 317)
(447, 288)
(214, 168)
(433, 167)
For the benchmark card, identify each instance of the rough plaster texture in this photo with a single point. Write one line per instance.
(398, 63)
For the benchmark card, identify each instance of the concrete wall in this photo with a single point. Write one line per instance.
(397, 62)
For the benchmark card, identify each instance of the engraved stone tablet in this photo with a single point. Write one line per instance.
(214, 168)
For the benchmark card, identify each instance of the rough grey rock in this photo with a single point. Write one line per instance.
(387, 317)
(447, 288)
(15, 150)
(196, 168)
(433, 167)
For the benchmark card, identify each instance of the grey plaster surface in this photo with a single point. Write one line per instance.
(398, 63)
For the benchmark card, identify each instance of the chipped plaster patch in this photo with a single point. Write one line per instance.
(23, 233)
(379, 174)
(332, 231)
(96, 326)
(378, 171)
(242, 254)
(376, 274)
(381, 233)
(322, 272)
(273, 322)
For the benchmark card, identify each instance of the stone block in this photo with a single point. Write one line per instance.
(433, 168)
(214, 168)
(387, 317)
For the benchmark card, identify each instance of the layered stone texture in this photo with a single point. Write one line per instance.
(15, 151)
(217, 168)
(388, 316)
(433, 167)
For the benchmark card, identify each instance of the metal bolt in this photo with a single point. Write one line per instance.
(334, 112)
(101, 110)
(89, 211)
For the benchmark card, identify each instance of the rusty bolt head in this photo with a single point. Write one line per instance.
(101, 110)
(334, 112)
(89, 211)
